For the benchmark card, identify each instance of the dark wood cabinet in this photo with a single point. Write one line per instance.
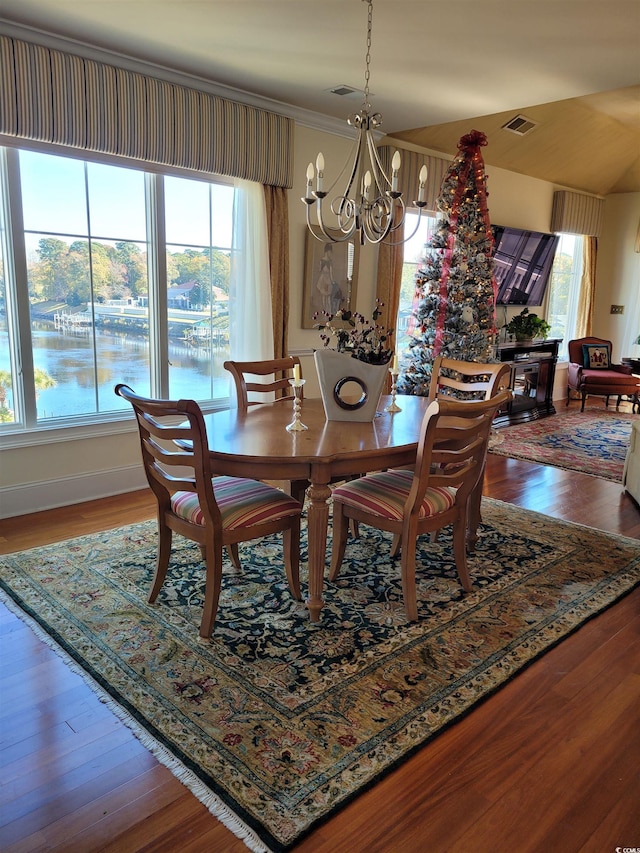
(533, 370)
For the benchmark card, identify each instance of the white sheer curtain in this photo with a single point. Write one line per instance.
(251, 332)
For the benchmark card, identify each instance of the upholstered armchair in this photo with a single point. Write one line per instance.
(591, 371)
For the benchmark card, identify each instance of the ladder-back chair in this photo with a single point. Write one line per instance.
(215, 511)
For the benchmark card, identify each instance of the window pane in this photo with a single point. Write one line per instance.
(198, 287)
(88, 294)
(121, 317)
(116, 202)
(221, 215)
(53, 193)
(7, 367)
(187, 219)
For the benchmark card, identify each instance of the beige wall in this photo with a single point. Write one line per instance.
(64, 471)
(618, 273)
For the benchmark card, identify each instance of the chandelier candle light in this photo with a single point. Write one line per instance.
(371, 204)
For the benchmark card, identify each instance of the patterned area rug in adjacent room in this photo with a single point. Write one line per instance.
(590, 442)
(278, 722)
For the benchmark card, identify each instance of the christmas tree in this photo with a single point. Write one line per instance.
(455, 301)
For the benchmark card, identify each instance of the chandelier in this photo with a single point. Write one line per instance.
(371, 205)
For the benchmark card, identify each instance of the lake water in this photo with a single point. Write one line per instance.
(195, 371)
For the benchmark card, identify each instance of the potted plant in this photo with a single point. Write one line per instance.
(352, 365)
(526, 326)
(352, 334)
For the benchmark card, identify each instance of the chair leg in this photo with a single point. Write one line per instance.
(291, 545)
(584, 397)
(298, 490)
(396, 545)
(165, 535)
(234, 556)
(408, 576)
(474, 514)
(340, 531)
(211, 590)
(460, 551)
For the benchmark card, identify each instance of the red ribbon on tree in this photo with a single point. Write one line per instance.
(475, 139)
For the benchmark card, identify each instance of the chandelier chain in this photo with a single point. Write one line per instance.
(367, 72)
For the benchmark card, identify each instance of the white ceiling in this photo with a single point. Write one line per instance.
(432, 61)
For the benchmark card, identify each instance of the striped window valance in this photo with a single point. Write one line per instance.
(51, 96)
(577, 213)
(412, 162)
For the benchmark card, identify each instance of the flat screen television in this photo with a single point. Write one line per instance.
(522, 263)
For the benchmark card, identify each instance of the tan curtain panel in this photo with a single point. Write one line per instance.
(586, 299)
(51, 96)
(278, 228)
(577, 213)
(412, 162)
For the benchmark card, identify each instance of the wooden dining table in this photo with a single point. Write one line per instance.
(256, 444)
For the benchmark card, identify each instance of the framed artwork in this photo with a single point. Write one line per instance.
(330, 277)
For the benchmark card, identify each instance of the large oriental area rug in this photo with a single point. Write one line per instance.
(277, 722)
(590, 442)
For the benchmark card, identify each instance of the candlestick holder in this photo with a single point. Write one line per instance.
(296, 424)
(393, 406)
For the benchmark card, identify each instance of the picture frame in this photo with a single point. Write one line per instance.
(330, 277)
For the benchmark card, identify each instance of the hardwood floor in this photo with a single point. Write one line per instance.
(549, 763)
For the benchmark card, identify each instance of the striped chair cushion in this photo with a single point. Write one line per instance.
(384, 494)
(242, 503)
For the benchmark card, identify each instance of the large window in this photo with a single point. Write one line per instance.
(564, 290)
(107, 275)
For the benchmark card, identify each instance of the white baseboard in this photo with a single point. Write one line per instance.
(48, 494)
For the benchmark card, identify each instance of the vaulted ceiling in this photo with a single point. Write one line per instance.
(438, 67)
(590, 143)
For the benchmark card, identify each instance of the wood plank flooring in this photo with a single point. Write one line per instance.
(549, 763)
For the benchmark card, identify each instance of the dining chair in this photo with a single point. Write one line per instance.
(408, 503)
(274, 385)
(214, 511)
(467, 379)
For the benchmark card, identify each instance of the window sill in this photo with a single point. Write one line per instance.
(120, 423)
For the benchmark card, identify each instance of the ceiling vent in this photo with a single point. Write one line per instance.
(520, 125)
(345, 91)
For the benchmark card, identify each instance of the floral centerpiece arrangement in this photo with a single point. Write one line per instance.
(526, 326)
(351, 333)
